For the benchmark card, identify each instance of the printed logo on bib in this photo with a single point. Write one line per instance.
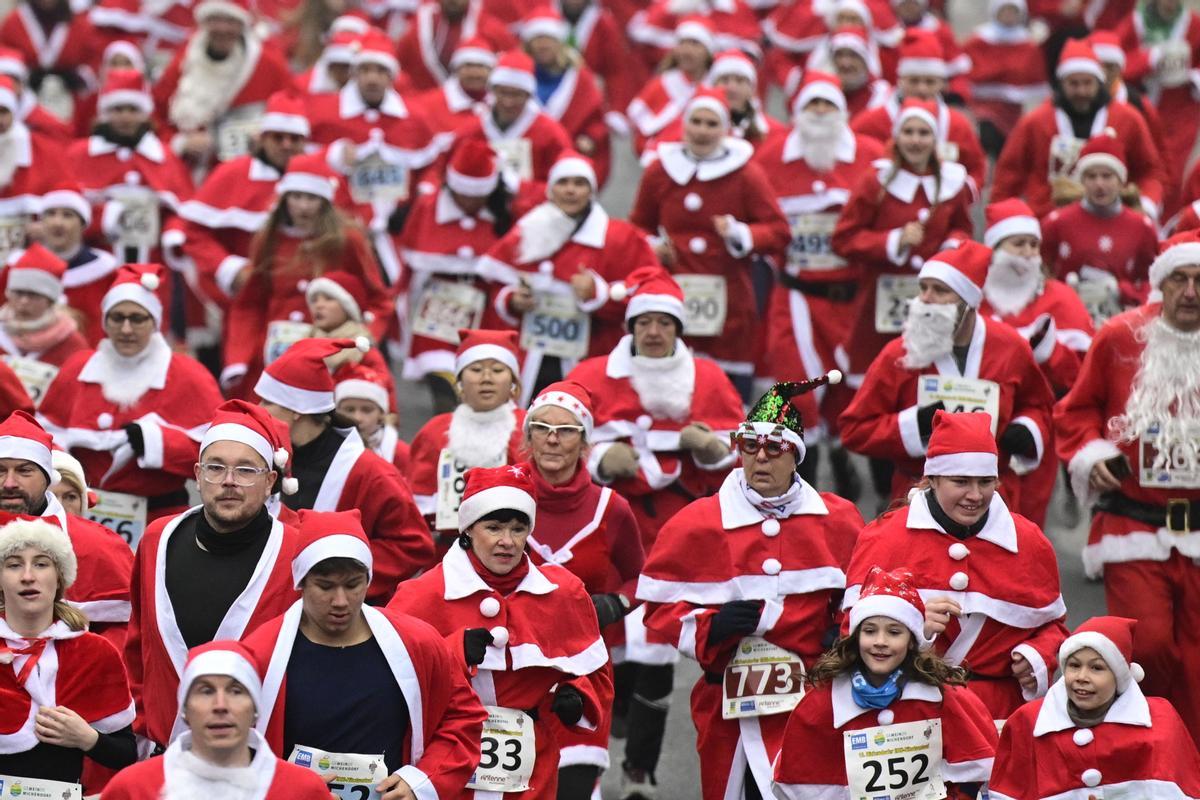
(960, 394)
(811, 247)
(1179, 469)
(761, 679)
(355, 775)
(893, 293)
(39, 789)
(895, 762)
(374, 180)
(236, 130)
(516, 156)
(1064, 152)
(12, 234)
(120, 512)
(556, 327)
(705, 304)
(282, 334)
(507, 752)
(34, 375)
(1100, 298)
(138, 225)
(446, 306)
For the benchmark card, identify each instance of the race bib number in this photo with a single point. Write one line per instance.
(138, 225)
(893, 293)
(1178, 469)
(811, 247)
(34, 375)
(705, 304)
(451, 482)
(1100, 298)
(895, 762)
(1064, 152)
(282, 334)
(556, 327)
(374, 180)
(12, 235)
(507, 752)
(355, 775)
(39, 789)
(761, 679)
(236, 130)
(517, 156)
(960, 394)
(120, 512)
(446, 306)
(1174, 61)
(54, 96)
(947, 151)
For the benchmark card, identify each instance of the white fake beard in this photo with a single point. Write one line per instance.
(1166, 393)
(8, 157)
(1013, 282)
(664, 386)
(544, 230)
(928, 332)
(126, 379)
(480, 438)
(206, 87)
(196, 779)
(821, 134)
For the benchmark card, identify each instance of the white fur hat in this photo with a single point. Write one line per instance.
(42, 535)
(1182, 249)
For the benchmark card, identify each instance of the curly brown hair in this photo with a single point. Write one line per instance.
(923, 666)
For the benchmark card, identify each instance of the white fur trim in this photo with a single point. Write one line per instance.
(224, 7)
(136, 293)
(956, 280)
(897, 608)
(65, 198)
(285, 123)
(27, 450)
(125, 97)
(337, 545)
(36, 281)
(494, 499)
(1109, 54)
(472, 55)
(470, 185)
(233, 432)
(302, 401)
(646, 303)
(571, 168)
(920, 113)
(909, 67)
(481, 351)
(1012, 226)
(732, 65)
(362, 390)
(708, 103)
(562, 400)
(220, 662)
(822, 90)
(697, 33)
(8, 100)
(306, 182)
(50, 539)
(513, 78)
(378, 57)
(1081, 464)
(1075, 66)
(984, 465)
(545, 26)
(1102, 645)
(1175, 256)
(328, 286)
(1101, 160)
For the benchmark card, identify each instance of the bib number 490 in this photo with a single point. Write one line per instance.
(897, 776)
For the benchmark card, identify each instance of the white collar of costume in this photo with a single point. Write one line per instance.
(737, 511)
(461, 580)
(262, 171)
(904, 184)
(594, 229)
(141, 373)
(351, 103)
(1130, 708)
(1000, 529)
(40, 685)
(445, 210)
(149, 146)
(344, 459)
(457, 99)
(845, 709)
(186, 776)
(519, 127)
(22, 144)
(845, 151)
(620, 360)
(559, 101)
(682, 167)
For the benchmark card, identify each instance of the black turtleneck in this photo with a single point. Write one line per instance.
(1081, 121)
(208, 570)
(310, 462)
(105, 131)
(955, 529)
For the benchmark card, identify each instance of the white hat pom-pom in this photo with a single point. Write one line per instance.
(362, 343)
(833, 377)
(618, 291)
(150, 281)
(290, 486)
(1136, 671)
(368, 316)
(281, 457)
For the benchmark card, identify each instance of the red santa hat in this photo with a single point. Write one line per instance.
(12, 63)
(346, 288)
(854, 38)
(544, 21)
(733, 62)
(251, 425)
(137, 283)
(649, 289)
(8, 94)
(129, 50)
(354, 381)
(838, 7)
(285, 114)
(476, 345)
(474, 170)
(915, 108)
(571, 397)
(342, 46)
(353, 23)
(963, 269)
(40, 533)
(514, 69)
(67, 194)
(994, 7)
(330, 534)
(711, 100)
(1011, 217)
(572, 165)
(1182, 249)
(235, 9)
(1112, 638)
(375, 47)
(1103, 150)
(962, 445)
(21, 437)
(226, 658)
(921, 55)
(1078, 57)
(819, 85)
(299, 379)
(38, 271)
(1107, 47)
(125, 87)
(491, 489)
(698, 29)
(474, 50)
(893, 595)
(309, 173)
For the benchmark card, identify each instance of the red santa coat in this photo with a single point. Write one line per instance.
(868, 236)
(418, 52)
(1027, 165)
(1141, 749)
(735, 26)
(155, 652)
(1075, 239)
(680, 197)
(812, 761)
(553, 639)
(1006, 76)
(72, 45)
(172, 414)
(442, 747)
(668, 477)
(1011, 601)
(659, 103)
(446, 109)
(579, 106)
(599, 38)
(794, 565)
(39, 169)
(13, 396)
(88, 277)
(958, 63)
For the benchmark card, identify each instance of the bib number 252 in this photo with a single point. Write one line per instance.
(897, 772)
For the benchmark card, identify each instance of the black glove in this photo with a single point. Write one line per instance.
(567, 704)
(136, 440)
(1018, 441)
(609, 608)
(475, 645)
(925, 418)
(735, 618)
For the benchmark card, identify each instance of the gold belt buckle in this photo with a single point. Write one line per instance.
(1186, 506)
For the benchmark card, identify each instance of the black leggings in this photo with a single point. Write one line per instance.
(577, 781)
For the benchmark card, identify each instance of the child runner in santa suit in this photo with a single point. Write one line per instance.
(390, 689)
(1095, 734)
(989, 576)
(364, 395)
(220, 754)
(526, 634)
(879, 682)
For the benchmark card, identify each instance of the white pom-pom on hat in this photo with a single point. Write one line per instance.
(834, 377)
(290, 485)
(618, 291)
(362, 344)
(281, 457)
(1136, 672)
(56, 477)
(149, 281)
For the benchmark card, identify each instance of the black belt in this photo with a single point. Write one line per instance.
(1179, 515)
(169, 500)
(835, 291)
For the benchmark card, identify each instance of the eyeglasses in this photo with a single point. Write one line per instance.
(135, 320)
(242, 476)
(565, 433)
(750, 445)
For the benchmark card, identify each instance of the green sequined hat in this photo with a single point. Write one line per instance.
(775, 416)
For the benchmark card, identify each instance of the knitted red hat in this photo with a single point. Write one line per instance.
(544, 21)
(1104, 150)
(330, 534)
(344, 287)
(474, 169)
(1112, 638)
(913, 107)
(1182, 249)
(963, 269)
(299, 379)
(649, 289)
(569, 396)
(362, 383)
(125, 87)
(309, 173)
(251, 425)
(226, 658)
(476, 345)
(67, 194)
(921, 55)
(1078, 57)
(491, 489)
(137, 283)
(375, 47)
(1011, 217)
(893, 595)
(23, 438)
(962, 444)
(285, 114)
(514, 69)
(38, 271)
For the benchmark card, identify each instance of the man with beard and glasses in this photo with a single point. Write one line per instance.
(216, 571)
(1130, 432)
(950, 358)
(812, 170)
(1041, 151)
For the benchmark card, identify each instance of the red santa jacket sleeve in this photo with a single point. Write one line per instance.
(1062, 368)
(399, 537)
(1012, 175)
(855, 237)
(872, 424)
(1080, 418)
(133, 636)
(1137, 290)
(1033, 406)
(625, 545)
(173, 445)
(13, 396)
(769, 229)
(361, 260)
(970, 152)
(1016, 756)
(645, 214)
(246, 321)
(1146, 168)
